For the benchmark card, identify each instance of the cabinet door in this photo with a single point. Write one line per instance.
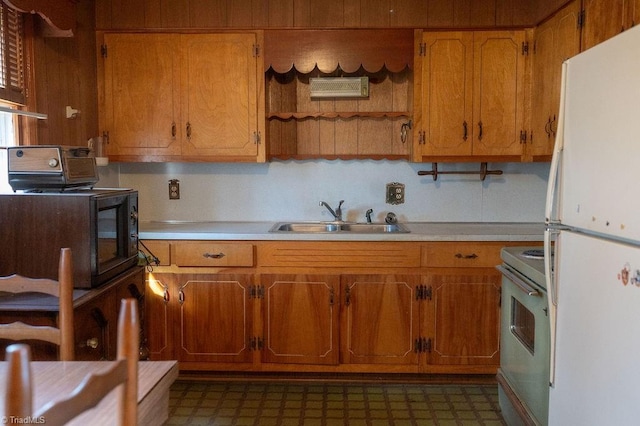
(381, 319)
(214, 318)
(555, 41)
(446, 86)
(219, 81)
(463, 318)
(141, 106)
(542, 80)
(603, 19)
(301, 319)
(158, 316)
(96, 328)
(498, 99)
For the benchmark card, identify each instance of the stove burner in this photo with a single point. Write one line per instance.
(533, 254)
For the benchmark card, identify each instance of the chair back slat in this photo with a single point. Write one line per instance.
(62, 289)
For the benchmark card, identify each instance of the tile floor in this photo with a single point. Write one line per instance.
(331, 404)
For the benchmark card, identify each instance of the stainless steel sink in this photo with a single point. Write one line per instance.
(334, 227)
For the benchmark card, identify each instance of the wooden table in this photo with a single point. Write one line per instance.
(54, 379)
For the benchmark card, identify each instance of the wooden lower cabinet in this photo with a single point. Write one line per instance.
(200, 317)
(300, 319)
(437, 314)
(463, 320)
(380, 321)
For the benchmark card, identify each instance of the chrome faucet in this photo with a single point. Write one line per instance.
(368, 215)
(337, 214)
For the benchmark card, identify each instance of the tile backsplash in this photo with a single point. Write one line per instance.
(292, 190)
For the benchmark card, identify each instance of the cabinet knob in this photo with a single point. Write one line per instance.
(92, 343)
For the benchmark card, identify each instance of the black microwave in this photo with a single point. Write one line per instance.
(99, 225)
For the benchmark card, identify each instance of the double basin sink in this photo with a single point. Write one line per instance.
(339, 227)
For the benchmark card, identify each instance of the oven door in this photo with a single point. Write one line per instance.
(524, 350)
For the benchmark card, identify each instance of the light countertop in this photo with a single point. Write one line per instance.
(420, 231)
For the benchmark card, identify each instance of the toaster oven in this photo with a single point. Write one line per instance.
(40, 167)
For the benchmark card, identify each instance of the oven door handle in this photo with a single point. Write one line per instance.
(518, 280)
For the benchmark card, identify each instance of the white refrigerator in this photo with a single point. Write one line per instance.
(593, 219)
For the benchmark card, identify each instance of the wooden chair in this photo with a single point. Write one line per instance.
(123, 375)
(63, 290)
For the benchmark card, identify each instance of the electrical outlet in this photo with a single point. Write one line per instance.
(174, 189)
(395, 193)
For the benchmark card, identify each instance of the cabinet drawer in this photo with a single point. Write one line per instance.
(158, 248)
(457, 254)
(204, 253)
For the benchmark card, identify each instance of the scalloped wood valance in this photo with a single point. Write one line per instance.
(60, 15)
(371, 49)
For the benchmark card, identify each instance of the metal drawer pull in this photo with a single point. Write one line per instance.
(466, 256)
(518, 281)
(213, 256)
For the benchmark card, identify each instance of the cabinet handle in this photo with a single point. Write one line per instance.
(480, 127)
(188, 130)
(213, 256)
(466, 256)
(466, 130)
(166, 296)
(93, 343)
(547, 127)
(181, 297)
(552, 126)
(174, 130)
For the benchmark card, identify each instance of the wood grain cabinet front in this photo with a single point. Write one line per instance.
(181, 97)
(555, 41)
(380, 322)
(327, 306)
(200, 318)
(469, 95)
(300, 318)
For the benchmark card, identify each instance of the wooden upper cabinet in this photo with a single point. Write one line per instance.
(555, 41)
(182, 97)
(498, 101)
(603, 19)
(446, 93)
(141, 104)
(469, 96)
(220, 81)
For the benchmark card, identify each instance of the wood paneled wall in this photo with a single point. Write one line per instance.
(65, 73)
(123, 14)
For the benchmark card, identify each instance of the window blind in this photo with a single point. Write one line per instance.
(12, 87)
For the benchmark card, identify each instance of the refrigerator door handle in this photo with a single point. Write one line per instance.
(551, 207)
(549, 271)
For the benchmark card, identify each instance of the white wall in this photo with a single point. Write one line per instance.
(292, 190)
